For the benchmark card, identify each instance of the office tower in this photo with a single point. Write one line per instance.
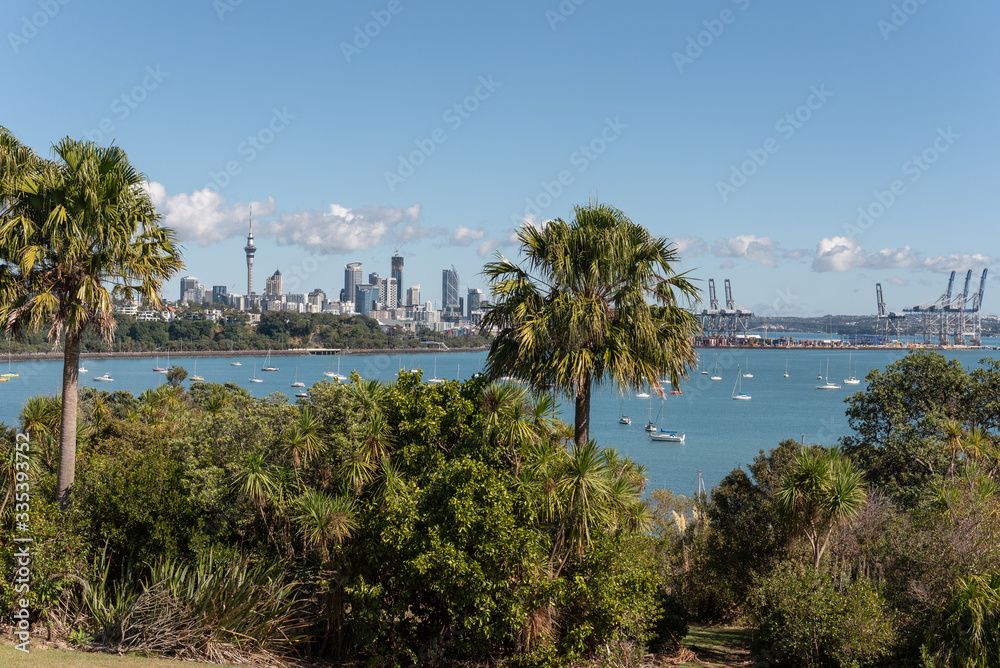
(316, 298)
(189, 289)
(365, 295)
(250, 249)
(449, 288)
(397, 274)
(352, 277)
(220, 294)
(474, 302)
(388, 295)
(273, 285)
(413, 296)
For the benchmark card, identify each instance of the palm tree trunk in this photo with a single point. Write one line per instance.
(581, 431)
(67, 431)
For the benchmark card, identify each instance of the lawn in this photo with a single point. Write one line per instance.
(718, 646)
(69, 659)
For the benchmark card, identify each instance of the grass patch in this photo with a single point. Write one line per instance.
(44, 658)
(718, 646)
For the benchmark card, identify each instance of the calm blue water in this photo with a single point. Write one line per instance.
(721, 433)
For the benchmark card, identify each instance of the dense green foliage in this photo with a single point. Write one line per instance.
(411, 521)
(881, 553)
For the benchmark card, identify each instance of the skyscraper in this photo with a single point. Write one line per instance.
(250, 249)
(352, 278)
(474, 302)
(365, 295)
(413, 296)
(449, 288)
(274, 285)
(397, 273)
(189, 289)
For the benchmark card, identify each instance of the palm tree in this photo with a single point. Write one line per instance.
(76, 233)
(822, 489)
(325, 519)
(577, 313)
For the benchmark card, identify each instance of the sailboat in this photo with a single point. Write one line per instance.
(827, 385)
(665, 434)
(624, 419)
(83, 368)
(196, 378)
(267, 363)
(297, 382)
(9, 374)
(786, 368)
(748, 374)
(738, 392)
(435, 379)
(650, 425)
(716, 376)
(158, 368)
(852, 380)
(255, 379)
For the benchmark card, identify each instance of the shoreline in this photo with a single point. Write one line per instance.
(292, 352)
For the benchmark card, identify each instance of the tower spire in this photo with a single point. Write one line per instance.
(250, 249)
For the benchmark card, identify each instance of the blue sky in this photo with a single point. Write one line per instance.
(753, 134)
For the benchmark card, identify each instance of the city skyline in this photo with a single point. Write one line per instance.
(806, 152)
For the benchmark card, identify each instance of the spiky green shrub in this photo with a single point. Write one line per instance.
(207, 611)
(966, 633)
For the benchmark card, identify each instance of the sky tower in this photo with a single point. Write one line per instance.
(250, 249)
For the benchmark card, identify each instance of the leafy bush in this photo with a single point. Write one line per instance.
(805, 618)
(966, 633)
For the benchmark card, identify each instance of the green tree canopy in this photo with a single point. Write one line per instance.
(578, 312)
(76, 233)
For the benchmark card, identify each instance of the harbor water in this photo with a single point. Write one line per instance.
(720, 434)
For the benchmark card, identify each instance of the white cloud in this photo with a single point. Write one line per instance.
(343, 230)
(838, 254)
(205, 217)
(465, 236)
(492, 244)
(898, 281)
(756, 249)
(689, 246)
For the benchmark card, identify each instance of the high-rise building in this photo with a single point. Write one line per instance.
(352, 278)
(449, 288)
(220, 294)
(474, 302)
(273, 285)
(388, 295)
(189, 289)
(316, 298)
(451, 303)
(366, 295)
(413, 296)
(397, 274)
(250, 249)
